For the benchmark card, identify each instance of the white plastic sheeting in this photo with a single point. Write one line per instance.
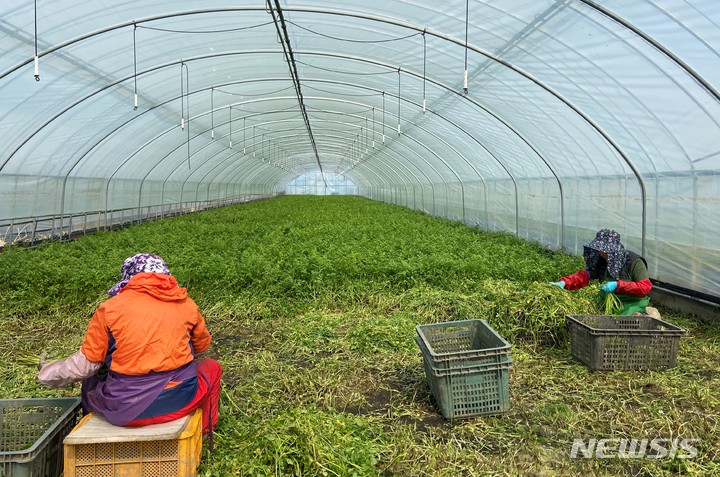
(547, 119)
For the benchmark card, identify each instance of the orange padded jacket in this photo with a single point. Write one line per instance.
(151, 325)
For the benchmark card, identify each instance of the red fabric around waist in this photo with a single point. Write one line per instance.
(207, 397)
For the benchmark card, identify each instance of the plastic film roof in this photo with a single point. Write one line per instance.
(547, 119)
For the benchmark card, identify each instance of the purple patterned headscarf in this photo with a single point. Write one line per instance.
(142, 262)
(608, 241)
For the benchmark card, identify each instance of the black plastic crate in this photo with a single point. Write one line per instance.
(635, 342)
(31, 435)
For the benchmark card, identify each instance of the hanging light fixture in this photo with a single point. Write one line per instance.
(182, 98)
(37, 57)
(212, 112)
(383, 117)
(135, 101)
(398, 116)
(424, 65)
(465, 76)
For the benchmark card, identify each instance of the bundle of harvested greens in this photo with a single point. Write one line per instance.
(533, 312)
(611, 304)
(27, 360)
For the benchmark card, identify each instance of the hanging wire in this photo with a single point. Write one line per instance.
(361, 141)
(212, 112)
(350, 40)
(373, 126)
(135, 103)
(187, 101)
(230, 109)
(345, 94)
(330, 70)
(167, 30)
(383, 117)
(259, 94)
(465, 76)
(182, 98)
(398, 130)
(366, 135)
(244, 134)
(424, 65)
(253, 142)
(37, 58)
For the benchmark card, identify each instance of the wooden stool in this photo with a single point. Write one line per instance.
(97, 448)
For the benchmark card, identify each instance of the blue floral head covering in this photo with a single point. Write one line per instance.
(608, 241)
(142, 262)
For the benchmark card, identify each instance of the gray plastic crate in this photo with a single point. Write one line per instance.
(467, 366)
(31, 435)
(636, 342)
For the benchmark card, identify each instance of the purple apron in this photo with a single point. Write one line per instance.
(121, 398)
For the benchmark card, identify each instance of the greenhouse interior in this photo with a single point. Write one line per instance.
(292, 160)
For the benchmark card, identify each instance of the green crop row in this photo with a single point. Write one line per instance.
(313, 304)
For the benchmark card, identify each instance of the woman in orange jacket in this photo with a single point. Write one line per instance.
(138, 361)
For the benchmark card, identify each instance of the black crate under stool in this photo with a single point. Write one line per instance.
(467, 365)
(634, 342)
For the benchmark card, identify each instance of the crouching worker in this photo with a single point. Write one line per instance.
(623, 272)
(137, 361)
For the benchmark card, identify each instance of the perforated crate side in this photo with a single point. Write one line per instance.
(471, 392)
(628, 343)
(154, 458)
(31, 435)
(459, 344)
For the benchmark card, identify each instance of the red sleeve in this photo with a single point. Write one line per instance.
(577, 280)
(640, 288)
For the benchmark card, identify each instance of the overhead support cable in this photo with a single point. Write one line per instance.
(282, 31)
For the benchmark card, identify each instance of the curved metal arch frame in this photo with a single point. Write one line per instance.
(651, 114)
(414, 152)
(271, 122)
(450, 147)
(389, 165)
(415, 125)
(498, 60)
(207, 145)
(447, 88)
(367, 17)
(284, 110)
(168, 131)
(262, 160)
(396, 163)
(419, 142)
